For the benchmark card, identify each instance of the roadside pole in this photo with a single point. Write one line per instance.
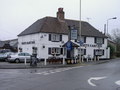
(45, 62)
(95, 58)
(82, 59)
(63, 60)
(80, 32)
(98, 58)
(63, 56)
(25, 62)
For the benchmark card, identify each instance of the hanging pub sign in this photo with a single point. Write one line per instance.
(73, 34)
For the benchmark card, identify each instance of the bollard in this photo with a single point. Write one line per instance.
(71, 61)
(25, 61)
(75, 61)
(95, 58)
(45, 62)
(98, 58)
(82, 59)
(87, 59)
(63, 60)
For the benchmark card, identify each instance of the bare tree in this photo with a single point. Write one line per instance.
(116, 35)
(116, 38)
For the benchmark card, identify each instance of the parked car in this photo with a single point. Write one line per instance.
(19, 57)
(7, 55)
(4, 56)
(4, 50)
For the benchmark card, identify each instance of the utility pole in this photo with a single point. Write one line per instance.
(80, 31)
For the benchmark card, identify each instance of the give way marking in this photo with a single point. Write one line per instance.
(95, 78)
(57, 70)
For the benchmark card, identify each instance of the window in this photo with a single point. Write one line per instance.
(83, 39)
(34, 50)
(99, 52)
(55, 37)
(99, 40)
(55, 50)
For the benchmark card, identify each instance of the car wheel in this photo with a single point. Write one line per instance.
(17, 60)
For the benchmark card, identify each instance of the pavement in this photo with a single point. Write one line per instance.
(6, 65)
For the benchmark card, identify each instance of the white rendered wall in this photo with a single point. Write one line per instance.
(90, 50)
(41, 39)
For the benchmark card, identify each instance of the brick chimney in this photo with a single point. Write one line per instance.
(60, 14)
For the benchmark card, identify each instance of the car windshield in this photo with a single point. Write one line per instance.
(14, 53)
(9, 53)
(23, 54)
(4, 50)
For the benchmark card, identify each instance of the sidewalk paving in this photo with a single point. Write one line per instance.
(6, 65)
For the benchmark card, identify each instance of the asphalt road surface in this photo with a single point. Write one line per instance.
(103, 76)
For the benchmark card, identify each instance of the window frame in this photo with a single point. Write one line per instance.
(55, 37)
(99, 40)
(83, 39)
(55, 50)
(100, 52)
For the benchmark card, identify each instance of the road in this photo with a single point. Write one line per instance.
(103, 76)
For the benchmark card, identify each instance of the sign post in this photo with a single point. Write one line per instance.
(25, 62)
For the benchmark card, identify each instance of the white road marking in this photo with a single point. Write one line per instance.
(57, 70)
(46, 73)
(117, 82)
(94, 78)
(41, 72)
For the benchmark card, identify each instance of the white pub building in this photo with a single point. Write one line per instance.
(48, 37)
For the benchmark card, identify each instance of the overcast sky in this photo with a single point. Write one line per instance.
(17, 15)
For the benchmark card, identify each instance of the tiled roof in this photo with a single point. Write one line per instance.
(53, 25)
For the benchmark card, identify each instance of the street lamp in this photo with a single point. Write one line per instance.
(107, 22)
(80, 32)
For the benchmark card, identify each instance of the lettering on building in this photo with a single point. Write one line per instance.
(29, 42)
(91, 45)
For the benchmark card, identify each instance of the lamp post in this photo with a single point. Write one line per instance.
(80, 32)
(107, 22)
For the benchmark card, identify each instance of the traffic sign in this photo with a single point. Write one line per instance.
(69, 45)
(81, 42)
